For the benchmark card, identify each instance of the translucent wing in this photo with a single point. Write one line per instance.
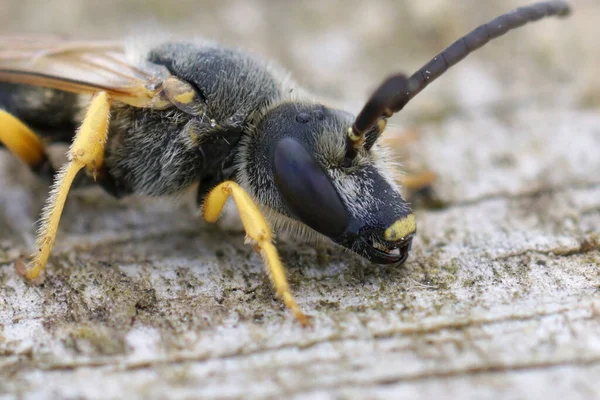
(82, 67)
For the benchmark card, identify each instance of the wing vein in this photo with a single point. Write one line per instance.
(81, 67)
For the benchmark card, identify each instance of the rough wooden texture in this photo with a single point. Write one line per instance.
(500, 297)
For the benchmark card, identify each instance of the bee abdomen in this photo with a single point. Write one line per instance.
(50, 113)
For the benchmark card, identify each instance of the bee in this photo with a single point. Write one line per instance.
(167, 116)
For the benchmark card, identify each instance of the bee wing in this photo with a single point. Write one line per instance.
(81, 67)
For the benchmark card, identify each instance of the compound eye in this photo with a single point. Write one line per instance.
(307, 190)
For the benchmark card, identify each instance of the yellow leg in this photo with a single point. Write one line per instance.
(21, 141)
(417, 181)
(257, 230)
(87, 151)
(419, 190)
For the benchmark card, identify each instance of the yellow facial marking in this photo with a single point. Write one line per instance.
(185, 97)
(400, 229)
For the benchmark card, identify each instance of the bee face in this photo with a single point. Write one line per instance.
(296, 164)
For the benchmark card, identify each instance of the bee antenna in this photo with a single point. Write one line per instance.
(388, 99)
(479, 37)
(395, 92)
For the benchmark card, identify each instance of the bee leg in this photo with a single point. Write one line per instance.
(420, 189)
(257, 231)
(20, 140)
(87, 151)
(417, 182)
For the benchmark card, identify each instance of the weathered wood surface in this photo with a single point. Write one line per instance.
(500, 297)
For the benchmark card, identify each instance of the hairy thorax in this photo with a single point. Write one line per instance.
(157, 153)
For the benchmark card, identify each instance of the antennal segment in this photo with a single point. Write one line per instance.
(479, 37)
(396, 91)
(388, 99)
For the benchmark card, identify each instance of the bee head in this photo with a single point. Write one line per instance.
(302, 165)
(322, 168)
